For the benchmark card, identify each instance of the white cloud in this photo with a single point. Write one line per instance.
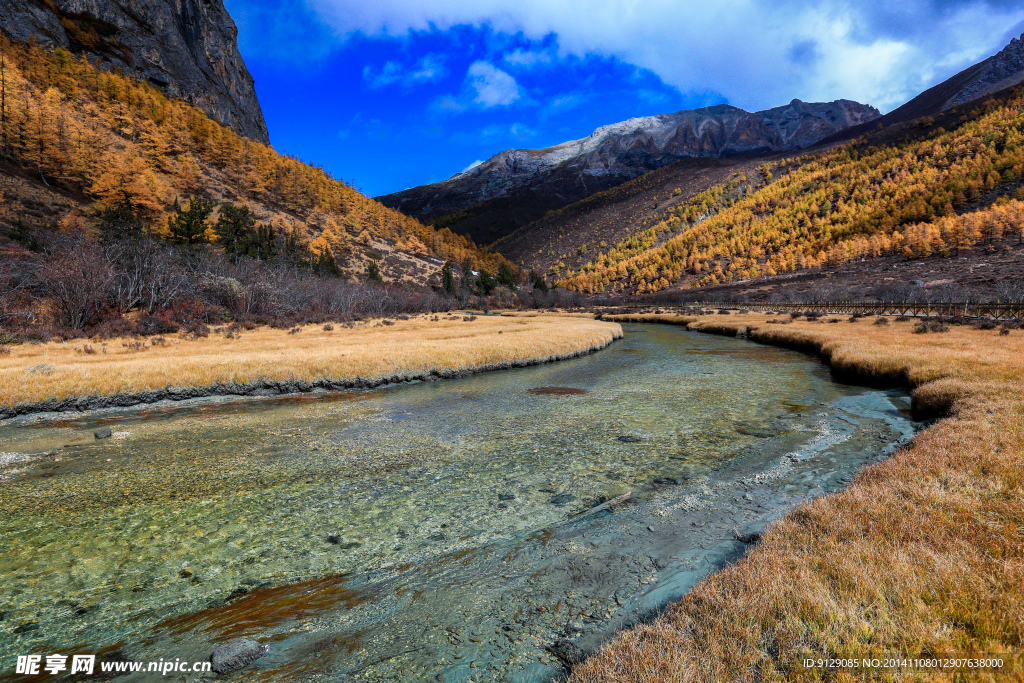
(427, 69)
(472, 165)
(757, 53)
(493, 87)
(521, 132)
(527, 58)
(447, 104)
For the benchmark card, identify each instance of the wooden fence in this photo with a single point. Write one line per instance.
(949, 309)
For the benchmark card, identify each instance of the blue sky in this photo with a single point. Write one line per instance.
(389, 94)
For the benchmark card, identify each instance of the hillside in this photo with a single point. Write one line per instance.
(940, 186)
(567, 238)
(185, 48)
(570, 235)
(516, 187)
(81, 144)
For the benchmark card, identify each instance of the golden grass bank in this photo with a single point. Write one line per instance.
(921, 558)
(80, 374)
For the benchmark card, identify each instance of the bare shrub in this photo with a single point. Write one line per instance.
(328, 327)
(77, 279)
(1011, 289)
(926, 326)
(196, 331)
(881, 320)
(146, 274)
(135, 345)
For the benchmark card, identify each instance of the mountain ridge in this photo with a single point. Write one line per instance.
(544, 179)
(997, 73)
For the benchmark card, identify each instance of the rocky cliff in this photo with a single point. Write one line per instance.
(998, 72)
(518, 185)
(187, 48)
(1002, 70)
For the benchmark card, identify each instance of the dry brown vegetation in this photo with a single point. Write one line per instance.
(922, 555)
(368, 350)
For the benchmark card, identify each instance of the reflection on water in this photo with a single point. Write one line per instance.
(423, 532)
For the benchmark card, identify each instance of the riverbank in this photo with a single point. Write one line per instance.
(921, 556)
(86, 374)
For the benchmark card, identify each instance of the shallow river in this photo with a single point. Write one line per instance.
(420, 532)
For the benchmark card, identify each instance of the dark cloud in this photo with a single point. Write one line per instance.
(804, 53)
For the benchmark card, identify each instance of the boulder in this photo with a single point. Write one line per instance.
(236, 654)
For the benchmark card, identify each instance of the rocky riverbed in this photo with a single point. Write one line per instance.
(434, 531)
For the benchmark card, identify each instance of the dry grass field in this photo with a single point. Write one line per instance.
(373, 350)
(922, 555)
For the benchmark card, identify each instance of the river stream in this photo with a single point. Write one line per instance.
(434, 531)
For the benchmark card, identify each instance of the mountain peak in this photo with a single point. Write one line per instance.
(617, 152)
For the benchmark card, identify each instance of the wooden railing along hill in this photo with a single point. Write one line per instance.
(949, 309)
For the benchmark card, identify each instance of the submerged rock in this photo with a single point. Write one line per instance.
(562, 499)
(629, 438)
(567, 652)
(556, 391)
(103, 433)
(752, 533)
(236, 654)
(760, 431)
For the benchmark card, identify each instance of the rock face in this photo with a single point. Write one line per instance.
(187, 48)
(615, 153)
(1000, 71)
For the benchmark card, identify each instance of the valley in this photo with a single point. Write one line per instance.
(564, 416)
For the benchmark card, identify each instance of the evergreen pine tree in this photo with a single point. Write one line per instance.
(506, 276)
(373, 273)
(235, 227)
(188, 225)
(448, 277)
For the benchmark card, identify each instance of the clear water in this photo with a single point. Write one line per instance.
(419, 532)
